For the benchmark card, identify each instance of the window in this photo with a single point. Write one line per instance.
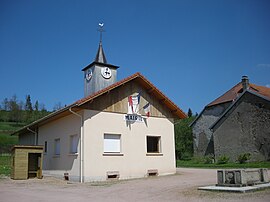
(112, 143)
(73, 144)
(153, 144)
(45, 147)
(57, 146)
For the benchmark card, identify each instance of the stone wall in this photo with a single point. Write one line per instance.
(245, 130)
(202, 135)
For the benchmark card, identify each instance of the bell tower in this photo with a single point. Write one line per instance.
(99, 74)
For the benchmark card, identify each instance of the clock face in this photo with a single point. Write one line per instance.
(88, 75)
(106, 72)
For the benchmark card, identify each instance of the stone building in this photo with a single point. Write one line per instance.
(235, 123)
(119, 130)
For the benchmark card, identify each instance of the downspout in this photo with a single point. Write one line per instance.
(34, 133)
(81, 144)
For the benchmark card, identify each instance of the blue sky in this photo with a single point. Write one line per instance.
(192, 50)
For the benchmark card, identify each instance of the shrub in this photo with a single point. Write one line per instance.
(186, 156)
(223, 159)
(243, 158)
(209, 159)
(198, 159)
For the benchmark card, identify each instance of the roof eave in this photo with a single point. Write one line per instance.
(213, 126)
(45, 118)
(100, 64)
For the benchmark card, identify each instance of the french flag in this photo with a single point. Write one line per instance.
(146, 109)
(130, 103)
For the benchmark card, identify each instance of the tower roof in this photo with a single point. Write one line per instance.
(100, 57)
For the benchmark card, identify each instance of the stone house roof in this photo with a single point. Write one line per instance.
(235, 91)
(226, 113)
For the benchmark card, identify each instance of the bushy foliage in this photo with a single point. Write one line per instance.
(13, 110)
(209, 159)
(183, 139)
(223, 159)
(243, 158)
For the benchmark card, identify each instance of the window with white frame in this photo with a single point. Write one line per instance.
(112, 143)
(73, 144)
(153, 144)
(57, 146)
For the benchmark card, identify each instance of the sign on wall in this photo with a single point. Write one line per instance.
(133, 118)
(133, 114)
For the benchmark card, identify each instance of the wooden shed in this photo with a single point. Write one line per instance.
(26, 162)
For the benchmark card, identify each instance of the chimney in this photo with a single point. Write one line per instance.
(245, 83)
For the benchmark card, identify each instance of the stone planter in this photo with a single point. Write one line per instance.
(241, 177)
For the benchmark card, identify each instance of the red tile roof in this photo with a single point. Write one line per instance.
(143, 81)
(233, 93)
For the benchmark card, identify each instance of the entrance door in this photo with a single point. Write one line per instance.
(33, 164)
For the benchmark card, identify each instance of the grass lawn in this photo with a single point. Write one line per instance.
(10, 126)
(5, 166)
(7, 141)
(195, 164)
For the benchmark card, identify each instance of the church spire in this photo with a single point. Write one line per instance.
(100, 57)
(99, 74)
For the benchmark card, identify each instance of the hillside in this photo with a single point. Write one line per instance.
(8, 126)
(7, 141)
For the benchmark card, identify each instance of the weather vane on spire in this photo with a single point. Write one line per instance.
(100, 29)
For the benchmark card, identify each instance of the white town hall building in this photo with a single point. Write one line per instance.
(120, 130)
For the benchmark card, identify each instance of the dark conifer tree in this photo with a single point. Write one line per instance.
(189, 112)
(28, 104)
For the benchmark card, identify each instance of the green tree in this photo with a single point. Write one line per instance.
(28, 104)
(36, 106)
(183, 139)
(15, 114)
(5, 104)
(190, 114)
(28, 110)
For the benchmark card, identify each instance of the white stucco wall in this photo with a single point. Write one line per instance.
(134, 161)
(57, 165)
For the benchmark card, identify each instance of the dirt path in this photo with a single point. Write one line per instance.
(179, 187)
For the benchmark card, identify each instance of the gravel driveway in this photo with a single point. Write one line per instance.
(179, 187)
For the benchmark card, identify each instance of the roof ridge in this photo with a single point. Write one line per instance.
(228, 91)
(123, 81)
(231, 94)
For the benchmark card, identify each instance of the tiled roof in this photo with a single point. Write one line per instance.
(76, 105)
(252, 91)
(167, 102)
(233, 93)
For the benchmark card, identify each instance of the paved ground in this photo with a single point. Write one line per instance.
(179, 187)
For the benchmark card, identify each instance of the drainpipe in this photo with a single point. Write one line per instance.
(34, 133)
(81, 144)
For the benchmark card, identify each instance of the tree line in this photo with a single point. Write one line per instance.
(14, 110)
(184, 137)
